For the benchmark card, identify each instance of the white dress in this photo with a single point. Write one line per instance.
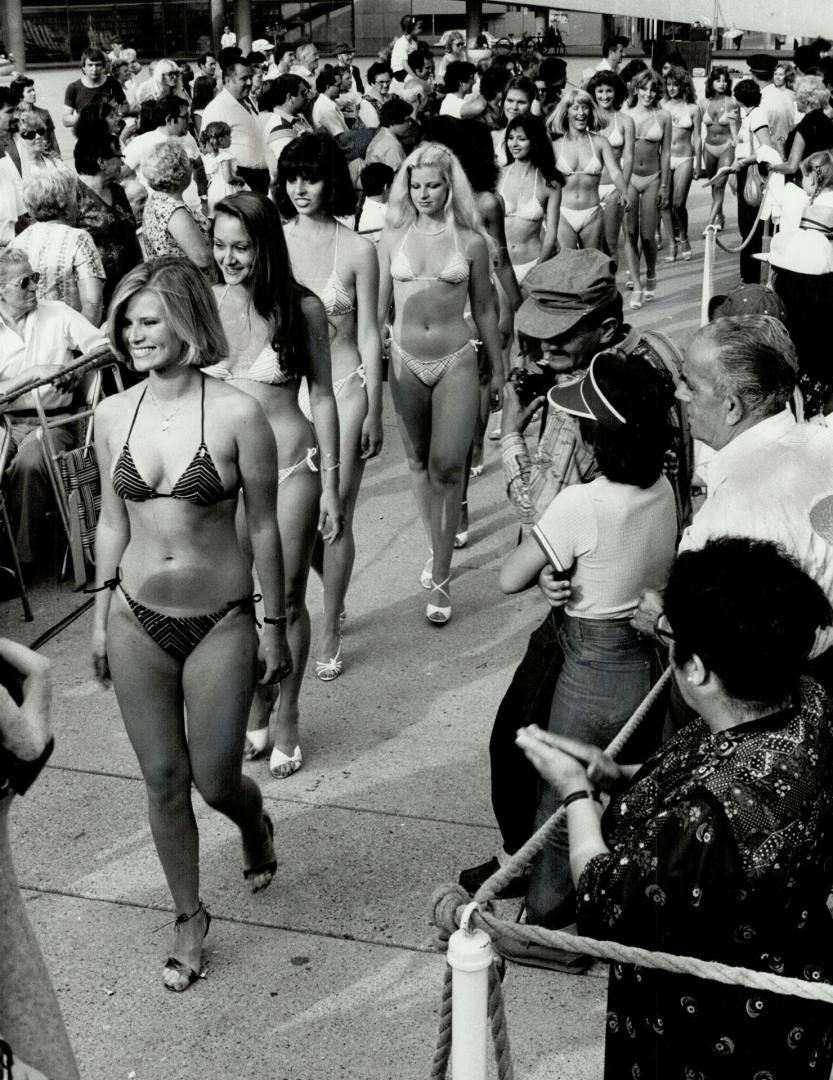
(218, 186)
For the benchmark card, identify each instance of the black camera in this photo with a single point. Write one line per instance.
(530, 384)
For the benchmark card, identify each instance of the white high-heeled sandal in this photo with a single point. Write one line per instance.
(434, 613)
(426, 574)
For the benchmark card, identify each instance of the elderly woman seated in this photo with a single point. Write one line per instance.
(171, 227)
(65, 257)
(719, 846)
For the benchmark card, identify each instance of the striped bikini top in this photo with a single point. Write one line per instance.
(334, 295)
(199, 484)
(455, 272)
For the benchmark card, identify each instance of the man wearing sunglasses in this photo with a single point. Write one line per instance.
(37, 340)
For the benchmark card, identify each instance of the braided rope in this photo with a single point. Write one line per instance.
(500, 1030)
(439, 1066)
(524, 856)
(749, 235)
(631, 954)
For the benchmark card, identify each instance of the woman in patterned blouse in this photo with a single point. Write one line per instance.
(720, 845)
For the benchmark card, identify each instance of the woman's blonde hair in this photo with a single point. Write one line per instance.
(50, 193)
(460, 206)
(643, 79)
(820, 167)
(165, 67)
(811, 93)
(558, 123)
(189, 305)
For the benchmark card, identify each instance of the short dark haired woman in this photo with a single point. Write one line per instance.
(611, 538)
(719, 845)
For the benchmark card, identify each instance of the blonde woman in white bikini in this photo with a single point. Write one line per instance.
(278, 333)
(720, 115)
(530, 186)
(433, 258)
(581, 155)
(649, 183)
(341, 268)
(610, 93)
(680, 104)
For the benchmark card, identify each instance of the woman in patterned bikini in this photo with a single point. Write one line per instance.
(610, 93)
(434, 257)
(341, 268)
(174, 620)
(278, 332)
(684, 161)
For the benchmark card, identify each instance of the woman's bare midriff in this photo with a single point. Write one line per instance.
(184, 559)
(294, 434)
(432, 313)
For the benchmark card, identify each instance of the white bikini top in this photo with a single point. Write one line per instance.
(531, 210)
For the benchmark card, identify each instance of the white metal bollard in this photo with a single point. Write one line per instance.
(469, 956)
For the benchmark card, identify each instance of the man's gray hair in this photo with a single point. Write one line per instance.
(756, 361)
(9, 259)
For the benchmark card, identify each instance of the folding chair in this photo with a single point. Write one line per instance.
(74, 475)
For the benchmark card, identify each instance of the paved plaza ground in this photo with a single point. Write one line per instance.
(332, 972)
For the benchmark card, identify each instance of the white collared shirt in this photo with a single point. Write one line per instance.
(327, 116)
(246, 133)
(774, 482)
(50, 334)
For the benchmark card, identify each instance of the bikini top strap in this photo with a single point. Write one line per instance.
(135, 414)
(535, 184)
(335, 252)
(202, 410)
(222, 298)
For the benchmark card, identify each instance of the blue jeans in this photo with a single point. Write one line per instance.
(608, 669)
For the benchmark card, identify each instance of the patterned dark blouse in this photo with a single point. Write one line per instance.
(722, 848)
(113, 228)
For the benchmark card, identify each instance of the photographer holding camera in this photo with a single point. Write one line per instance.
(573, 311)
(33, 1041)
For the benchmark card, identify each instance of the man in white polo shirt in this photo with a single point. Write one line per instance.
(231, 106)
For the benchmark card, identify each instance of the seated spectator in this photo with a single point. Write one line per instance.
(65, 257)
(379, 77)
(608, 540)
(25, 87)
(718, 846)
(104, 209)
(37, 339)
(376, 181)
(396, 120)
(459, 100)
(170, 226)
(326, 115)
(94, 85)
(32, 142)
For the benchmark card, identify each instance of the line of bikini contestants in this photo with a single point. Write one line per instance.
(242, 450)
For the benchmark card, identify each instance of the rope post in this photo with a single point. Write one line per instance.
(469, 957)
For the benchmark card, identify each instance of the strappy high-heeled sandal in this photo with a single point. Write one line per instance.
(282, 766)
(635, 300)
(672, 252)
(176, 975)
(462, 538)
(650, 288)
(685, 251)
(426, 574)
(434, 613)
(268, 867)
(327, 670)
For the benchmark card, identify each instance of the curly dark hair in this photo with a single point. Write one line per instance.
(608, 78)
(316, 157)
(684, 81)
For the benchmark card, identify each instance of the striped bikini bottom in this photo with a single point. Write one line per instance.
(430, 372)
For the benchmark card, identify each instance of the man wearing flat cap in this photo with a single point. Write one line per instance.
(776, 106)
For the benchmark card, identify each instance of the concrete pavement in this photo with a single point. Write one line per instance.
(331, 972)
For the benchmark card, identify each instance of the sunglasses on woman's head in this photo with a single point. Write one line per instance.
(32, 133)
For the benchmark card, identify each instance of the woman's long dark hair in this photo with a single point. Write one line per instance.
(471, 142)
(540, 147)
(275, 293)
(316, 157)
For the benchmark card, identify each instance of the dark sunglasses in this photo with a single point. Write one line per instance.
(32, 133)
(24, 282)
